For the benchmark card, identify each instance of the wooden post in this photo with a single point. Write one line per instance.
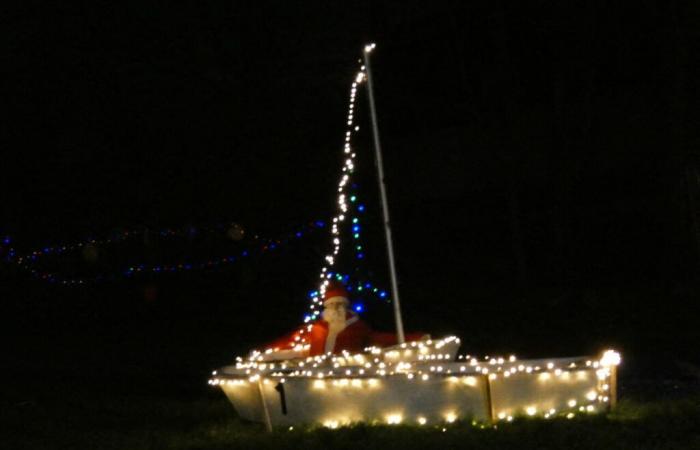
(268, 422)
(613, 386)
(488, 402)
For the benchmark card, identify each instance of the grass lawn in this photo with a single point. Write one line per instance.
(55, 415)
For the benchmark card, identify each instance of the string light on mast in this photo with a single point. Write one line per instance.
(343, 196)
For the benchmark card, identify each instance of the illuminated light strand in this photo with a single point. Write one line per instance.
(362, 287)
(368, 369)
(122, 236)
(356, 223)
(265, 246)
(342, 200)
(7, 252)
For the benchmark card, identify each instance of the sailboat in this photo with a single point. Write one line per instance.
(423, 382)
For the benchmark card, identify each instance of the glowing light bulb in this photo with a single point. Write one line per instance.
(610, 358)
(394, 419)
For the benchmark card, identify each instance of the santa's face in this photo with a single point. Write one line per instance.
(334, 312)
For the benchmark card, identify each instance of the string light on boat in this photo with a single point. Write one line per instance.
(362, 287)
(610, 358)
(342, 202)
(329, 372)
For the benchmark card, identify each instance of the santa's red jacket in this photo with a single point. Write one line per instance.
(355, 337)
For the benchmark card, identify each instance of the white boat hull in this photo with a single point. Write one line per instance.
(455, 391)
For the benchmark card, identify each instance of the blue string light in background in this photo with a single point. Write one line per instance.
(362, 287)
(30, 260)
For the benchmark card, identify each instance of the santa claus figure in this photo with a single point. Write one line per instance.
(339, 329)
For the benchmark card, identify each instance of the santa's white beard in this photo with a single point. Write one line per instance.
(334, 317)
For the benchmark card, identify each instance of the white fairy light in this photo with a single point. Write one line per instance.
(323, 380)
(394, 419)
(610, 358)
(347, 169)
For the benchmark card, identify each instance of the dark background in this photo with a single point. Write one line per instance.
(541, 163)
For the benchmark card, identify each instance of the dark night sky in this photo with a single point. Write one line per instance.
(529, 144)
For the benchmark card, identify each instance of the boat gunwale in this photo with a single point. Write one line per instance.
(465, 368)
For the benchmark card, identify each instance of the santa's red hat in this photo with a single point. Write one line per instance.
(335, 292)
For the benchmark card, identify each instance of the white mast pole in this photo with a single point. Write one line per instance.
(385, 208)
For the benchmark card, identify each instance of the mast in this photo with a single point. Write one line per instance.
(385, 208)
